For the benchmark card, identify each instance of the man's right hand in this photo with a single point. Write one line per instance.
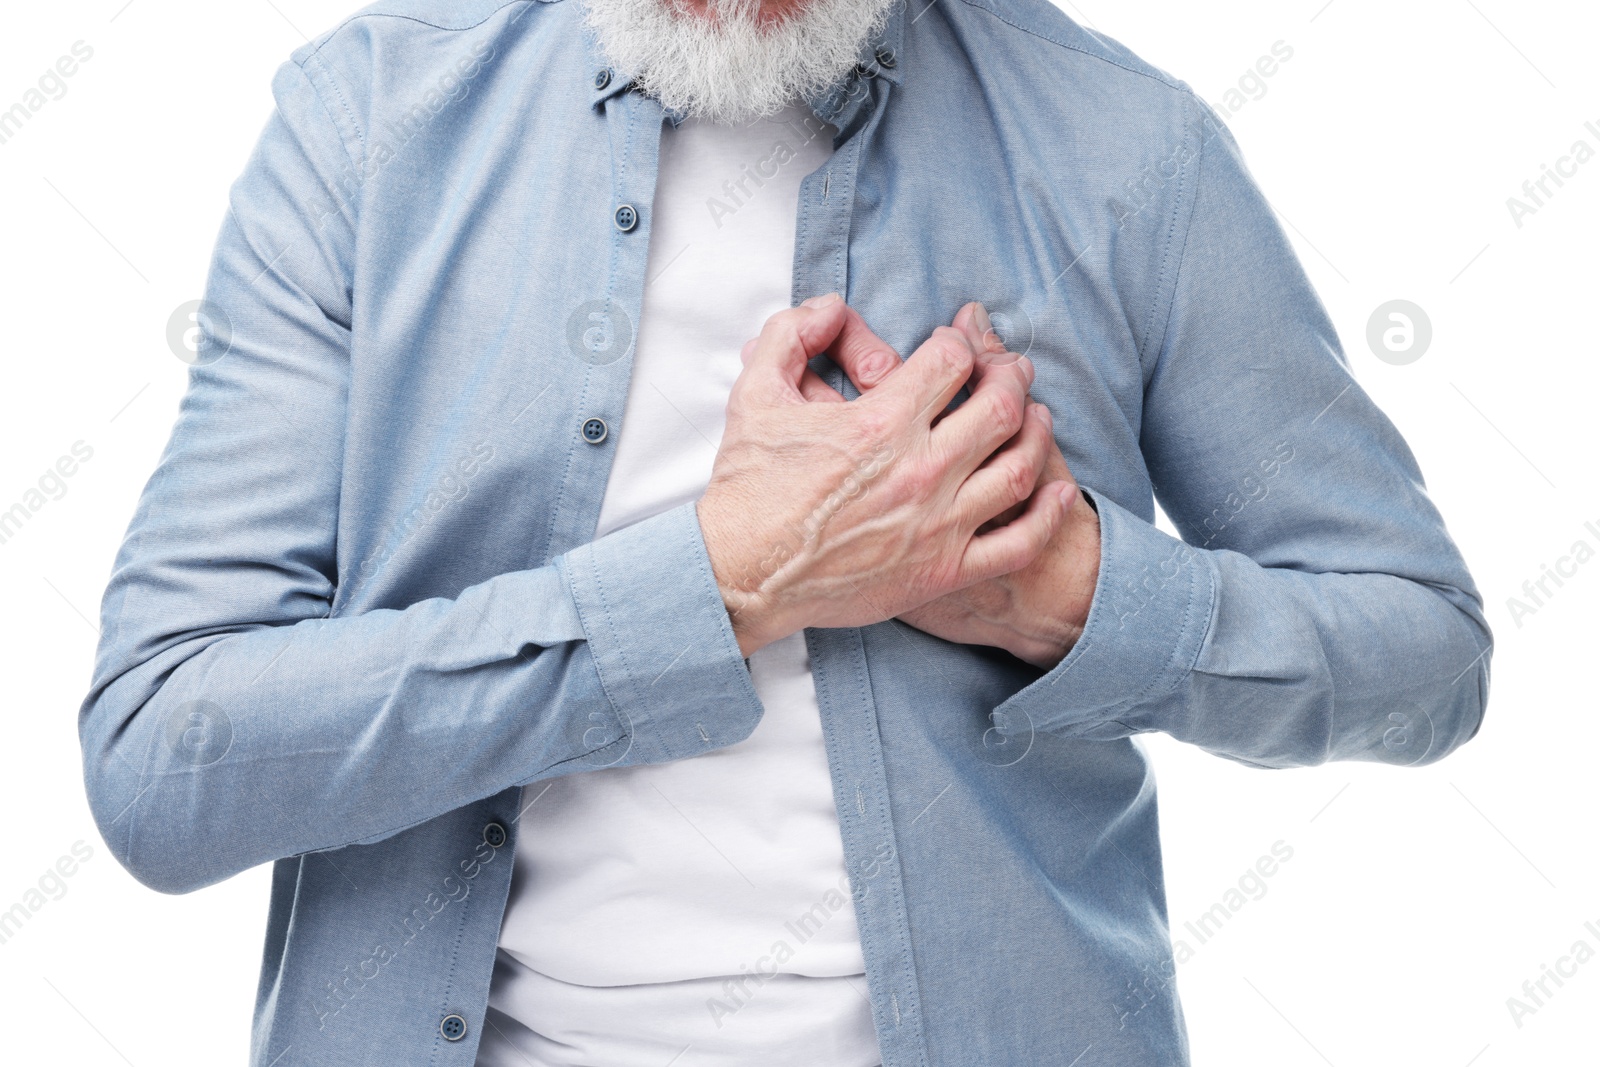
(847, 514)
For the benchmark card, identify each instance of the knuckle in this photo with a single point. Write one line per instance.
(1017, 555)
(877, 421)
(952, 349)
(925, 473)
(784, 326)
(1019, 481)
(788, 317)
(1006, 409)
(1041, 528)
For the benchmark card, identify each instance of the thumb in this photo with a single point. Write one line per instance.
(778, 357)
(862, 354)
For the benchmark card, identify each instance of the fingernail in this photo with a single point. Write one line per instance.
(821, 301)
(991, 337)
(1069, 494)
(980, 315)
(1043, 414)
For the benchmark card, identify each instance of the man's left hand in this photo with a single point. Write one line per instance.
(1036, 613)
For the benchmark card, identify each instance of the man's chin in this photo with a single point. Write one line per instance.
(734, 61)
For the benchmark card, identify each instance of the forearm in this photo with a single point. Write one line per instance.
(1046, 612)
(1267, 665)
(212, 745)
(1305, 668)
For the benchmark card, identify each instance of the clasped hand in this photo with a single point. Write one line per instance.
(964, 523)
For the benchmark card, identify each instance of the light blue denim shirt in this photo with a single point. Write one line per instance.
(361, 604)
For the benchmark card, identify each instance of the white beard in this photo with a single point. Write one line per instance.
(726, 68)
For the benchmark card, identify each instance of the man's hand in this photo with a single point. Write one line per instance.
(824, 513)
(1038, 611)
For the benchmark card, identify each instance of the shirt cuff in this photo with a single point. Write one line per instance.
(1151, 612)
(661, 638)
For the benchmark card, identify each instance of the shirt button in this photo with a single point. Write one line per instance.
(885, 58)
(626, 218)
(863, 71)
(594, 431)
(494, 835)
(453, 1027)
(602, 78)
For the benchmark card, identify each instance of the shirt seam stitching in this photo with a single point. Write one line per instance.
(1157, 78)
(360, 159)
(620, 653)
(1183, 250)
(913, 1011)
(331, 34)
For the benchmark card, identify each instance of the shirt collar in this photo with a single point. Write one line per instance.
(880, 58)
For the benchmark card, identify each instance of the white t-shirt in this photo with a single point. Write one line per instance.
(697, 909)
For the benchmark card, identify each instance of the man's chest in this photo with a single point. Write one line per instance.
(573, 311)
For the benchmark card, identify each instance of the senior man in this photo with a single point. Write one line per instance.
(610, 688)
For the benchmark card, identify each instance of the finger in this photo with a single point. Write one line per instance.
(862, 354)
(1055, 467)
(787, 342)
(988, 417)
(933, 375)
(973, 319)
(1009, 515)
(1011, 475)
(815, 390)
(1055, 470)
(1014, 546)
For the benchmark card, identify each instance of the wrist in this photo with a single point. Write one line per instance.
(1044, 653)
(1045, 638)
(1045, 645)
(753, 625)
(753, 613)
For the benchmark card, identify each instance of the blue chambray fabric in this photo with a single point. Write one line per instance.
(360, 604)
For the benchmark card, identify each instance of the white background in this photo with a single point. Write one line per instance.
(1417, 901)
